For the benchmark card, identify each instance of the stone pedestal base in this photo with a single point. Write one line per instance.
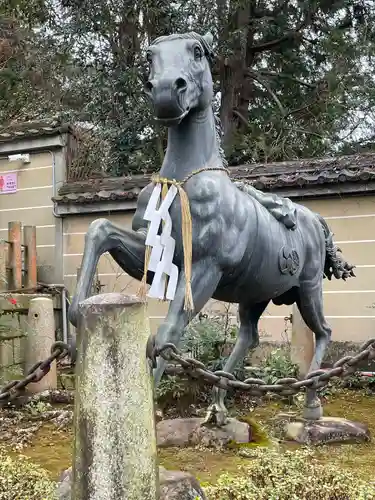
(174, 485)
(190, 432)
(323, 431)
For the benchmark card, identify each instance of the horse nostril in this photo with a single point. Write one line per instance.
(180, 85)
(149, 86)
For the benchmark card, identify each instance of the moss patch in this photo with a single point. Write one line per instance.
(205, 465)
(52, 449)
(259, 436)
(359, 458)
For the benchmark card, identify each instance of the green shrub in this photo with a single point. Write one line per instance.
(174, 387)
(276, 365)
(22, 480)
(208, 340)
(289, 475)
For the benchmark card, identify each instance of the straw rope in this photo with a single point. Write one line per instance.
(186, 229)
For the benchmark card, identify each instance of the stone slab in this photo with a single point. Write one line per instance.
(183, 432)
(324, 431)
(174, 485)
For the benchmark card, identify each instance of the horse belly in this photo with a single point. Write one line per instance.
(275, 264)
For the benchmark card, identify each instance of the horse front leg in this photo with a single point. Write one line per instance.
(248, 338)
(127, 247)
(205, 279)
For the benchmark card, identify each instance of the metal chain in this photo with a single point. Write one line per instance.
(16, 388)
(256, 386)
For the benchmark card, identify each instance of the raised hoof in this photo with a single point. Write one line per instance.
(215, 417)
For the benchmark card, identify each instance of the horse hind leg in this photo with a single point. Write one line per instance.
(248, 338)
(310, 305)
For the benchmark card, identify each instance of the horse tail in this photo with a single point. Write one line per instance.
(335, 265)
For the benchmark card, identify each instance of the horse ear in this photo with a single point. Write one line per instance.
(209, 38)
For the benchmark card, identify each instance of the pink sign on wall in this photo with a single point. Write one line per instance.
(8, 183)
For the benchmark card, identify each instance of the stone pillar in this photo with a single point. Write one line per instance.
(302, 343)
(39, 340)
(115, 456)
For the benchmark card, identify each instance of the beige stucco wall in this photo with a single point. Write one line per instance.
(60, 243)
(348, 306)
(31, 204)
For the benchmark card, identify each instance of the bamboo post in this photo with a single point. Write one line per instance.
(3, 266)
(29, 240)
(115, 442)
(39, 340)
(15, 255)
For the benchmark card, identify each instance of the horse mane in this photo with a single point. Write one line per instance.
(209, 53)
(219, 134)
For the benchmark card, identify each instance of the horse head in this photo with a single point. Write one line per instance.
(179, 78)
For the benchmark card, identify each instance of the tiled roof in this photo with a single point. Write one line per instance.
(115, 195)
(102, 189)
(312, 172)
(292, 175)
(26, 130)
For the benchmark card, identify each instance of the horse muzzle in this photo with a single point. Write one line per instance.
(169, 100)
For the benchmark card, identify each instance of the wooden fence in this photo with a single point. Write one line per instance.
(18, 269)
(18, 275)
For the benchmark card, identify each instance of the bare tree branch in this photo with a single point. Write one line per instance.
(264, 84)
(241, 117)
(290, 35)
(286, 77)
(308, 132)
(305, 107)
(272, 43)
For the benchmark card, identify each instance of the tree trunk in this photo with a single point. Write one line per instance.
(236, 91)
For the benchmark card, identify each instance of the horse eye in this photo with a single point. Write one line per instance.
(197, 52)
(149, 57)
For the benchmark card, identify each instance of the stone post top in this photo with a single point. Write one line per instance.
(111, 299)
(40, 297)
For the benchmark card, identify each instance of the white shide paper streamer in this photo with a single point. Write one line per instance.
(163, 246)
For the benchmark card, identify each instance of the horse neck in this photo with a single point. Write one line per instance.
(192, 145)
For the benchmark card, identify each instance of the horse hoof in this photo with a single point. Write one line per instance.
(313, 411)
(215, 417)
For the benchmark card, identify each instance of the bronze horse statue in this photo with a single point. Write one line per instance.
(248, 247)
